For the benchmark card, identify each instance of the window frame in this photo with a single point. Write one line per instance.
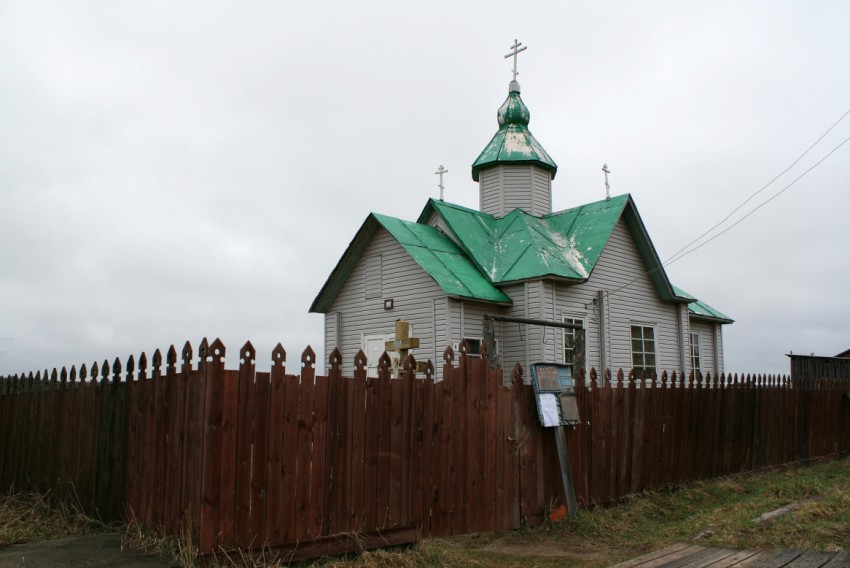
(695, 366)
(643, 366)
(571, 332)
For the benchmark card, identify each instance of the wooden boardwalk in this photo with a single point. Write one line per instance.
(692, 556)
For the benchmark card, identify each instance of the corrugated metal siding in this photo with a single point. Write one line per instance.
(411, 289)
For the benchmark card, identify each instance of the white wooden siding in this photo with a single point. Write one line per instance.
(489, 184)
(373, 276)
(684, 339)
(332, 320)
(620, 265)
(542, 201)
(534, 333)
(514, 346)
(443, 332)
(504, 188)
(439, 321)
(437, 222)
(718, 342)
(712, 345)
(516, 188)
(413, 293)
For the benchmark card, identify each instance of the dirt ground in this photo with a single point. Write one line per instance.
(93, 551)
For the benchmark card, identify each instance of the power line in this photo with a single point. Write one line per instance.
(771, 198)
(674, 258)
(768, 200)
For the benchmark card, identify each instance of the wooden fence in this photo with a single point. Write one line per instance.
(637, 435)
(244, 457)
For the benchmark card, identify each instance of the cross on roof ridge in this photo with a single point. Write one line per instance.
(440, 173)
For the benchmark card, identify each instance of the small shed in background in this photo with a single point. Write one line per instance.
(819, 367)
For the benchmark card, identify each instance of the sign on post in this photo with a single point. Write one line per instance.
(554, 391)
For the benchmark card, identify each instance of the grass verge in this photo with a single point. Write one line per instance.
(718, 513)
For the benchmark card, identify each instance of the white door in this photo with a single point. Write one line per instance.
(373, 347)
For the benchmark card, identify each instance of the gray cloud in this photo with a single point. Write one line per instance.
(170, 172)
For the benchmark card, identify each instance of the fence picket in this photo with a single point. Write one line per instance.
(357, 480)
(260, 490)
(247, 458)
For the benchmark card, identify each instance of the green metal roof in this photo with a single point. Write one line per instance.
(700, 309)
(442, 259)
(481, 252)
(520, 246)
(435, 253)
(513, 143)
(564, 244)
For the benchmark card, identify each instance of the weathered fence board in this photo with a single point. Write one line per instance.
(246, 458)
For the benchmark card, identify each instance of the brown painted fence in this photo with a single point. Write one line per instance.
(637, 435)
(246, 457)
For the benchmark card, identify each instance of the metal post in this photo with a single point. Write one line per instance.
(566, 476)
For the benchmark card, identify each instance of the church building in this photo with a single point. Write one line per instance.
(519, 275)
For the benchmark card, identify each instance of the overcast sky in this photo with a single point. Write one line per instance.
(175, 170)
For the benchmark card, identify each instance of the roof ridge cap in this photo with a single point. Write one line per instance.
(582, 205)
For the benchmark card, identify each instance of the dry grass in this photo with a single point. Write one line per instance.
(30, 517)
(713, 513)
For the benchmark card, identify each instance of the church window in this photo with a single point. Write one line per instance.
(643, 348)
(696, 358)
(570, 354)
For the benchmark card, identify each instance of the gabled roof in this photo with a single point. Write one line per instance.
(564, 245)
(481, 252)
(436, 254)
(701, 310)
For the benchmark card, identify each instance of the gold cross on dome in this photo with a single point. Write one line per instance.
(516, 49)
